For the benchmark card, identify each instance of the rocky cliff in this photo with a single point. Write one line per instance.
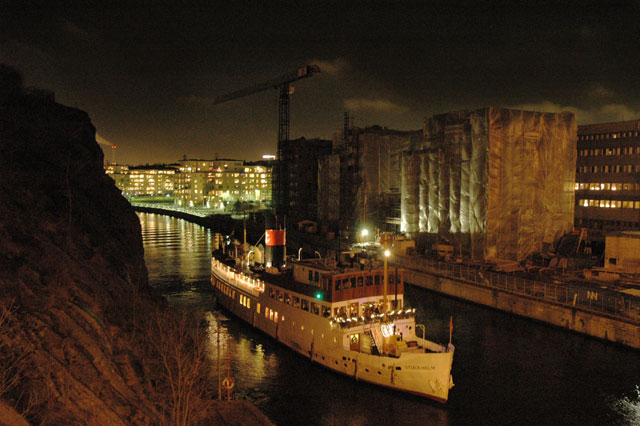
(74, 296)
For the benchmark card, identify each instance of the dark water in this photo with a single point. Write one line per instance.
(507, 371)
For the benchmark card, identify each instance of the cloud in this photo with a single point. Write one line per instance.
(103, 141)
(335, 67)
(599, 91)
(374, 105)
(602, 114)
(73, 29)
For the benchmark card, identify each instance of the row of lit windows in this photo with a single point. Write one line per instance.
(226, 290)
(609, 168)
(610, 204)
(595, 152)
(600, 136)
(593, 186)
(245, 301)
(270, 314)
(299, 302)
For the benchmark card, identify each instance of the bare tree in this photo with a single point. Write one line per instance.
(180, 368)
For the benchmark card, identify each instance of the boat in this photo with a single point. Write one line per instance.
(346, 314)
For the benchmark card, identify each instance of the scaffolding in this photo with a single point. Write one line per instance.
(495, 182)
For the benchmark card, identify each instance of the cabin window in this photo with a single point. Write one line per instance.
(338, 285)
(296, 301)
(353, 282)
(287, 299)
(280, 296)
(353, 309)
(326, 311)
(360, 281)
(369, 280)
(304, 304)
(310, 275)
(315, 309)
(275, 316)
(272, 292)
(377, 279)
(316, 276)
(258, 307)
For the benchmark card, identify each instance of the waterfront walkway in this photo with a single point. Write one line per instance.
(172, 208)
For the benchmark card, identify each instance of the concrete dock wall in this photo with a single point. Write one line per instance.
(576, 319)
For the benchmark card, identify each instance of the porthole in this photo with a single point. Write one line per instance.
(379, 372)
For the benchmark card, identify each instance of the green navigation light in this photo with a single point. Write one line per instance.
(319, 296)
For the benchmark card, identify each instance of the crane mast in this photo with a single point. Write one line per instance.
(283, 84)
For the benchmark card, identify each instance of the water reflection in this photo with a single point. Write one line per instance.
(507, 371)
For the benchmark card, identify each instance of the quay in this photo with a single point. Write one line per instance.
(605, 314)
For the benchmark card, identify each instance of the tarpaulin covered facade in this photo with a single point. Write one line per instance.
(495, 182)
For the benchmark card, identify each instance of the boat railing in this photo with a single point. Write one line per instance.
(345, 321)
(245, 282)
(428, 344)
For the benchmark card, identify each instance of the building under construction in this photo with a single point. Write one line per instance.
(299, 176)
(493, 182)
(359, 183)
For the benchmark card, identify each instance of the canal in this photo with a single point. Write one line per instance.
(506, 370)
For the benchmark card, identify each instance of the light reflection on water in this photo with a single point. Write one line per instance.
(507, 371)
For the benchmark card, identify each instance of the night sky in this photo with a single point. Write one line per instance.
(146, 71)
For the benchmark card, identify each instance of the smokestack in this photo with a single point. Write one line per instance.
(275, 242)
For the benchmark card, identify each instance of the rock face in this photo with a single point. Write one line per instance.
(73, 282)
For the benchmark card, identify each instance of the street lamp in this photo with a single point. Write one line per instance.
(364, 234)
(387, 253)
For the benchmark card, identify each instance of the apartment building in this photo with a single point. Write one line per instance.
(147, 180)
(608, 176)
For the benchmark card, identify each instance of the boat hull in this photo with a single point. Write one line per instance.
(312, 336)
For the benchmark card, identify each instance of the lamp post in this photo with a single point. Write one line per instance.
(364, 234)
(387, 253)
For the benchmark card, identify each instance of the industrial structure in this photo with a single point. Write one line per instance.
(492, 182)
(608, 176)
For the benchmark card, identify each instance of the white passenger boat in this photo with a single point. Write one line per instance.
(352, 320)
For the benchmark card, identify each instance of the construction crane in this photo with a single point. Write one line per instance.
(282, 83)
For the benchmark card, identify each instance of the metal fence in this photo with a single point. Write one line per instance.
(619, 305)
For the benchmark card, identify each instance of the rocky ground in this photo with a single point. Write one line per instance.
(83, 338)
